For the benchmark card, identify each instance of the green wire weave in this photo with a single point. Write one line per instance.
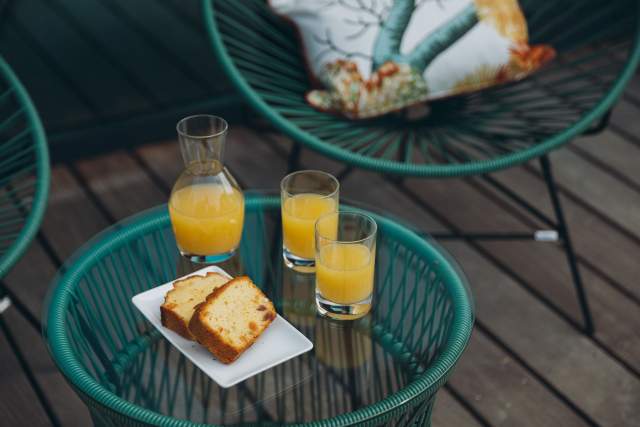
(598, 50)
(104, 347)
(24, 169)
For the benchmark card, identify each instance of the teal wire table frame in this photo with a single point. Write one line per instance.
(598, 50)
(383, 368)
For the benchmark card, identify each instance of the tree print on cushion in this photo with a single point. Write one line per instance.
(378, 56)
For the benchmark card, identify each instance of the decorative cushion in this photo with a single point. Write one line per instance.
(378, 56)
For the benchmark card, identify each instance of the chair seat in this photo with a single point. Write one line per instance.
(469, 134)
(24, 169)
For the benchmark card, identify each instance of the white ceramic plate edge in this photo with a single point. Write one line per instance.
(191, 349)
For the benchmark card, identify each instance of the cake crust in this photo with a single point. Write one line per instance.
(213, 337)
(171, 320)
(169, 316)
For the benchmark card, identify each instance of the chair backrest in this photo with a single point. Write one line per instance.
(24, 169)
(598, 46)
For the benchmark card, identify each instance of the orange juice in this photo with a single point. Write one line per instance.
(299, 215)
(207, 219)
(344, 272)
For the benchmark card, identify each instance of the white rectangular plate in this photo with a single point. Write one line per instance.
(278, 343)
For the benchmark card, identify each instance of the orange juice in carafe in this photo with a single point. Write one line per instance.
(207, 219)
(206, 204)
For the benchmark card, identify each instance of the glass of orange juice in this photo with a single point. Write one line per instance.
(206, 204)
(305, 196)
(345, 260)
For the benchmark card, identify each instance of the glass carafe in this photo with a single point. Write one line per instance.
(206, 204)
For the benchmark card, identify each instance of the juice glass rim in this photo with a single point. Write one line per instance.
(369, 218)
(332, 178)
(222, 131)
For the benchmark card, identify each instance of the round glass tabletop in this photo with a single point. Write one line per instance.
(385, 366)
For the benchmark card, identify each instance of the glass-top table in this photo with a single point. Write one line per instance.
(383, 368)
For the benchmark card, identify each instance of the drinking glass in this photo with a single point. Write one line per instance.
(305, 196)
(206, 204)
(345, 260)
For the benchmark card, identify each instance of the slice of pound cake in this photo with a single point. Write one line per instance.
(232, 318)
(181, 301)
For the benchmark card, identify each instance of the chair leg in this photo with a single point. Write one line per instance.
(600, 125)
(563, 232)
(24, 365)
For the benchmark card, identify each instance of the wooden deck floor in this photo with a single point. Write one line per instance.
(528, 363)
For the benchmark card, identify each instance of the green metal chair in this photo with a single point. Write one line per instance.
(24, 169)
(598, 50)
(129, 376)
(24, 188)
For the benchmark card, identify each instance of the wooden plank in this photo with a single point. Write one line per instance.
(601, 191)
(624, 119)
(578, 369)
(504, 392)
(19, 405)
(120, 184)
(29, 280)
(544, 269)
(613, 151)
(30, 277)
(447, 412)
(633, 86)
(71, 217)
(163, 160)
(248, 158)
(607, 250)
(65, 403)
(65, 232)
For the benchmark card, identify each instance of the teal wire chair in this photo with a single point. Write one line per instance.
(24, 188)
(24, 169)
(598, 50)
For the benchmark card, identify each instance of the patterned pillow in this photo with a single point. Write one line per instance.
(378, 56)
